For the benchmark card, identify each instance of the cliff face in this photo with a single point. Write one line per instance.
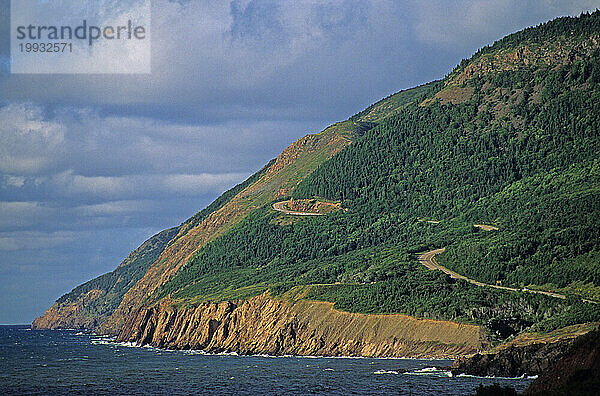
(528, 354)
(550, 53)
(72, 315)
(576, 373)
(264, 325)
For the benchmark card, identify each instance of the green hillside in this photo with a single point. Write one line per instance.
(509, 138)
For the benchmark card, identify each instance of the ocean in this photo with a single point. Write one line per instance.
(49, 362)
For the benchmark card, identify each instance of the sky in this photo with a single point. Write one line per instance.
(93, 165)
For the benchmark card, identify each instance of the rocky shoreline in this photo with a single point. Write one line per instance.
(528, 360)
(567, 365)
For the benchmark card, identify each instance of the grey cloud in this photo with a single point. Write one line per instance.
(88, 144)
(114, 187)
(18, 215)
(116, 208)
(461, 24)
(14, 181)
(29, 240)
(30, 144)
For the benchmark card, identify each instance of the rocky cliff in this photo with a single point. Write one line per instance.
(265, 325)
(71, 315)
(513, 361)
(528, 354)
(576, 373)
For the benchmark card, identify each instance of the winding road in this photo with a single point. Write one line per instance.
(278, 206)
(428, 260)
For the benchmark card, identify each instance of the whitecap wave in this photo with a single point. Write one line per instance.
(428, 370)
(431, 371)
(521, 377)
(129, 344)
(103, 340)
(378, 372)
(197, 352)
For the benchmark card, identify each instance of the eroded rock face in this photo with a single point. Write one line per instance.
(514, 361)
(528, 354)
(575, 373)
(550, 53)
(70, 316)
(264, 325)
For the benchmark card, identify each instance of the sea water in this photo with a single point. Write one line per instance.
(51, 362)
